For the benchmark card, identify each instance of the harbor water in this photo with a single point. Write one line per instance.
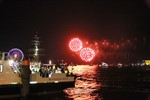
(94, 83)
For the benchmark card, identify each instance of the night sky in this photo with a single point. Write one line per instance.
(57, 21)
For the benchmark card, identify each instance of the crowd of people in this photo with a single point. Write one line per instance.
(48, 71)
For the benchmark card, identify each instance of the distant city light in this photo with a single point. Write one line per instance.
(75, 44)
(87, 54)
(50, 62)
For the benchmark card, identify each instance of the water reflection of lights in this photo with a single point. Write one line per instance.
(79, 91)
(86, 84)
(85, 97)
(83, 70)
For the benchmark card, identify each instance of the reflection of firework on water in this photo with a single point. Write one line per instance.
(82, 94)
(79, 91)
(88, 97)
(92, 84)
(87, 54)
(84, 70)
(86, 84)
(75, 44)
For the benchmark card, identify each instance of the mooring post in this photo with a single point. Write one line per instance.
(25, 79)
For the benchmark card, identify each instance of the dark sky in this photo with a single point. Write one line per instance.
(57, 21)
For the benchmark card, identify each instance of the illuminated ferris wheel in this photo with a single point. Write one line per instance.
(15, 54)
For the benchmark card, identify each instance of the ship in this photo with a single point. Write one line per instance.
(46, 73)
(40, 72)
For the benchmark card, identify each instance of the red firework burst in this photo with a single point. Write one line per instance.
(87, 54)
(75, 44)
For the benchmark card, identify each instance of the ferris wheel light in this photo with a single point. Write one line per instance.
(15, 55)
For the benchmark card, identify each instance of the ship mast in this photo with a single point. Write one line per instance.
(35, 50)
(36, 44)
